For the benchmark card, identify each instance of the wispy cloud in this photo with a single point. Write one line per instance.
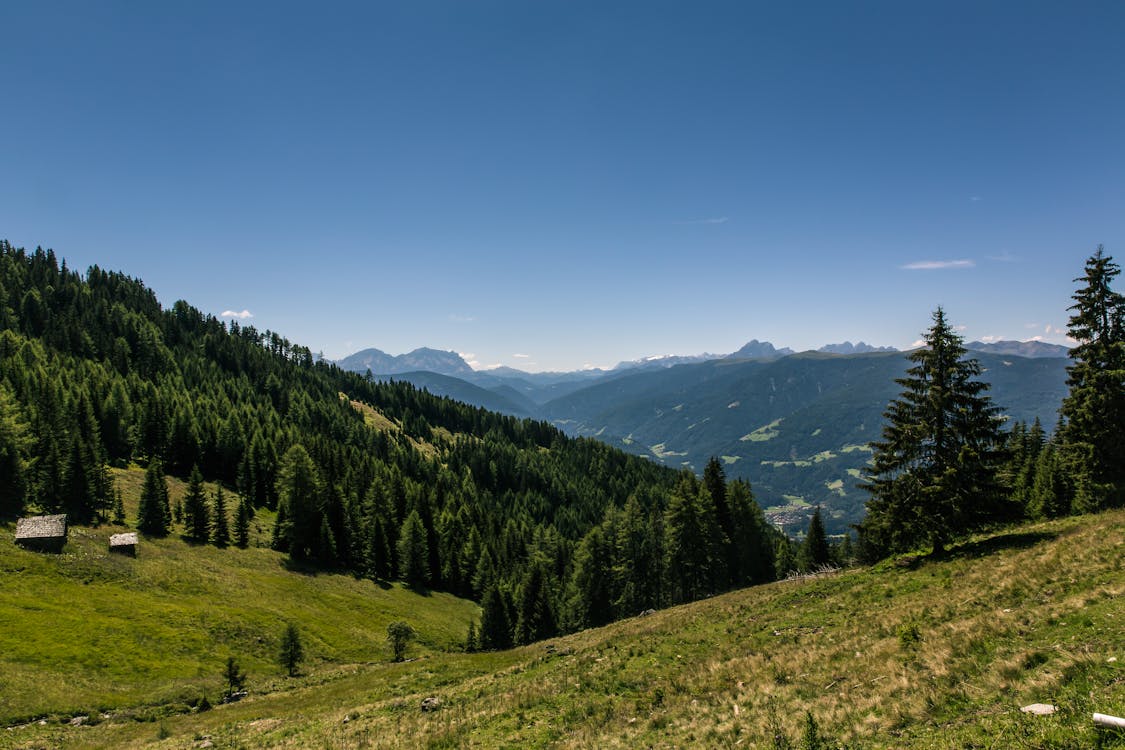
(937, 265)
(709, 220)
(455, 318)
(1004, 257)
(976, 198)
(990, 339)
(522, 356)
(961, 328)
(240, 315)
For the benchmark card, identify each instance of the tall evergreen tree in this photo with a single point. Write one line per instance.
(414, 552)
(638, 566)
(590, 601)
(1094, 410)
(220, 527)
(814, 550)
(535, 615)
(242, 523)
(15, 447)
(298, 517)
(154, 517)
(292, 651)
(785, 561)
(752, 542)
(935, 472)
(495, 624)
(1049, 496)
(197, 520)
(693, 543)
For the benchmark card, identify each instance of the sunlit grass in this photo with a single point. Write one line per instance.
(936, 656)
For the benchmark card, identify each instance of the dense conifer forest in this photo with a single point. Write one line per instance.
(382, 479)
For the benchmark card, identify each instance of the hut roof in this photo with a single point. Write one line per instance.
(41, 527)
(128, 539)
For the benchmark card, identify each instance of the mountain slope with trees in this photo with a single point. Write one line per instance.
(95, 372)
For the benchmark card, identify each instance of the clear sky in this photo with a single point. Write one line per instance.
(550, 185)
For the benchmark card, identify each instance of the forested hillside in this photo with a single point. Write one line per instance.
(550, 533)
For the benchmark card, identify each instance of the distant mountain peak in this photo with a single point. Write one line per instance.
(755, 349)
(848, 347)
(423, 359)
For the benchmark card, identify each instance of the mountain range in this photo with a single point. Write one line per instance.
(796, 425)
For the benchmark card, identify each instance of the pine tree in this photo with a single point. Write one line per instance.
(495, 625)
(197, 521)
(535, 616)
(591, 593)
(414, 552)
(753, 537)
(814, 550)
(220, 528)
(1094, 410)
(638, 567)
(694, 543)
(1049, 496)
(118, 508)
(935, 472)
(242, 523)
(299, 514)
(234, 676)
(291, 653)
(15, 445)
(153, 514)
(785, 562)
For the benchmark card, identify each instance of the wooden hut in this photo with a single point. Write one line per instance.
(42, 533)
(124, 544)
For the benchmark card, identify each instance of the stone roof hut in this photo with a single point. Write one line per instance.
(42, 533)
(125, 544)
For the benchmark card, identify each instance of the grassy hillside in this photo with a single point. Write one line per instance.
(86, 630)
(916, 654)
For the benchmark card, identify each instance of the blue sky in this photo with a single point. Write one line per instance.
(576, 182)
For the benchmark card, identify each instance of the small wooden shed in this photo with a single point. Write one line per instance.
(42, 533)
(124, 544)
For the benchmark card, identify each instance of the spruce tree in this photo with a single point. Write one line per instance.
(298, 517)
(118, 508)
(242, 523)
(753, 537)
(414, 552)
(495, 625)
(197, 521)
(153, 514)
(814, 550)
(535, 616)
(785, 562)
(935, 472)
(220, 528)
(1094, 409)
(292, 652)
(15, 445)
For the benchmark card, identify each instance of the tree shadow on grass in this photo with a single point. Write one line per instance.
(998, 543)
(304, 567)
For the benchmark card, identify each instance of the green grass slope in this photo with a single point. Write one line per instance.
(935, 654)
(89, 631)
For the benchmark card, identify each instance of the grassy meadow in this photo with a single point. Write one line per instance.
(911, 653)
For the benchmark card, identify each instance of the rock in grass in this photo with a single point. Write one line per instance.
(431, 704)
(1039, 709)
